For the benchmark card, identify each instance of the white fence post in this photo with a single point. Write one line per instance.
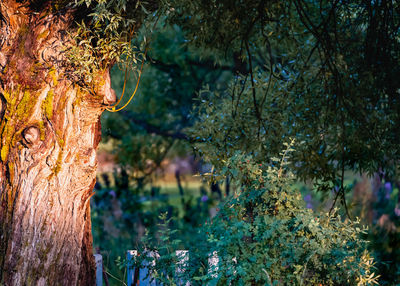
(130, 256)
(213, 261)
(182, 265)
(99, 269)
(142, 272)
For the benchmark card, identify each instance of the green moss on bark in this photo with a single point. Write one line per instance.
(18, 113)
(47, 104)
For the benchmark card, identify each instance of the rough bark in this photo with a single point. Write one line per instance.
(49, 131)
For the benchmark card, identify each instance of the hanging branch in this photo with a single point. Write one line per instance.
(257, 111)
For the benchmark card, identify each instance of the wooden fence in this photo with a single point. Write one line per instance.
(138, 276)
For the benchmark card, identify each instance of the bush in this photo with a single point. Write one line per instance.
(264, 235)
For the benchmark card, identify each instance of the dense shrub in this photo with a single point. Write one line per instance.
(264, 235)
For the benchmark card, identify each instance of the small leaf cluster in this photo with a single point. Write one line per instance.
(105, 37)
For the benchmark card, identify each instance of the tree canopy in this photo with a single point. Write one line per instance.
(323, 72)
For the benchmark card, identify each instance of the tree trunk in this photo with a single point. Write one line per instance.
(49, 131)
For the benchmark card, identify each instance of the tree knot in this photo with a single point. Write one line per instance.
(31, 136)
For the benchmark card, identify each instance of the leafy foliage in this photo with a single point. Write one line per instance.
(105, 37)
(276, 240)
(264, 235)
(312, 74)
